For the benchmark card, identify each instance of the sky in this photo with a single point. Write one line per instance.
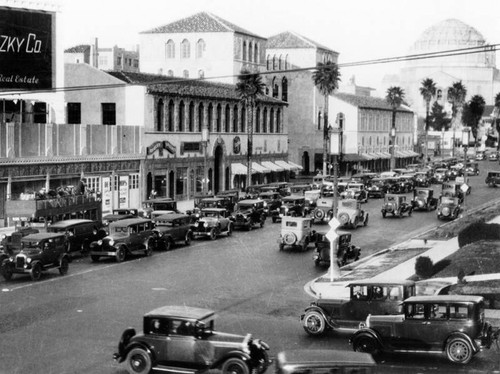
(357, 29)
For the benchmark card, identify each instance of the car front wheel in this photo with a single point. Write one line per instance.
(213, 234)
(235, 366)
(36, 271)
(314, 323)
(366, 344)
(120, 254)
(7, 272)
(63, 267)
(459, 350)
(139, 361)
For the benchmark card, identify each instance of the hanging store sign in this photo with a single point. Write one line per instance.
(26, 49)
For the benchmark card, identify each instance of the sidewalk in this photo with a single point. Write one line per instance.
(397, 262)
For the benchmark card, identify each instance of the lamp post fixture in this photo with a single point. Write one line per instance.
(465, 143)
(392, 148)
(204, 141)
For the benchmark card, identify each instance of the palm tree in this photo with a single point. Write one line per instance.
(427, 90)
(326, 78)
(476, 107)
(248, 88)
(395, 97)
(456, 95)
(497, 114)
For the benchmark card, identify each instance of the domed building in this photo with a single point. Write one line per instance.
(477, 71)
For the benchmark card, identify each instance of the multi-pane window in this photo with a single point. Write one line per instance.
(170, 49)
(74, 113)
(133, 181)
(284, 89)
(93, 183)
(185, 49)
(200, 48)
(108, 113)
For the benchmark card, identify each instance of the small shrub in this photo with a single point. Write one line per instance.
(478, 231)
(424, 267)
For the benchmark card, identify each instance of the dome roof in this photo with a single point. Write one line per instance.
(448, 34)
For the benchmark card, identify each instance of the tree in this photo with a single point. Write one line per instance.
(326, 78)
(427, 90)
(248, 88)
(497, 114)
(395, 97)
(456, 95)
(473, 112)
(438, 118)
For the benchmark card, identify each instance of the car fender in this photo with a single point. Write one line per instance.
(232, 354)
(315, 308)
(138, 344)
(459, 334)
(368, 333)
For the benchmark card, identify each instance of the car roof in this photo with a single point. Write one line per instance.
(170, 217)
(181, 311)
(445, 299)
(321, 357)
(213, 209)
(389, 282)
(250, 201)
(41, 236)
(293, 197)
(70, 222)
(129, 221)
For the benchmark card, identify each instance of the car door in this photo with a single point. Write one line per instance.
(181, 346)
(421, 327)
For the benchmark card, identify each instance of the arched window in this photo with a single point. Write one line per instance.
(170, 73)
(227, 122)
(244, 51)
(170, 49)
(235, 118)
(200, 48)
(284, 89)
(243, 118)
(268, 62)
(191, 117)
(250, 51)
(218, 119)
(256, 53)
(201, 74)
(200, 117)
(185, 73)
(264, 121)
(271, 121)
(257, 120)
(278, 121)
(159, 115)
(210, 116)
(181, 116)
(274, 62)
(185, 49)
(170, 116)
(279, 63)
(275, 88)
(286, 62)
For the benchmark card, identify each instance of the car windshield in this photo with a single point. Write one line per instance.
(165, 223)
(422, 193)
(121, 229)
(32, 245)
(241, 206)
(210, 214)
(445, 200)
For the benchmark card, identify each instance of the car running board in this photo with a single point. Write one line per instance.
(174, 369)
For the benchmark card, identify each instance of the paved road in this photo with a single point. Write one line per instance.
(72, 324)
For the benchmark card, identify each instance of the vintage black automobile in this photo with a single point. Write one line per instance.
(249, 214)
(441, 175)
(493, 179)
(212, 223)
(79, 234)
(183, 339)
(10, 244)
(296, 232)
(171, 229)
(300, 361)
(272, 201)
(118, 214)
(452, 189)
(39, 252)
(355, 190)
(421, 179)
(231, 197)
(299, 189)
(293, 205)
(472, 168)
(423, 199)
(396, 205)
(346, 251)
(365, 297)
(126, 236)
(449, 208)
(377, 187)
(450, 324)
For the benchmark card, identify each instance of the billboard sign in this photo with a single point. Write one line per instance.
(26, 49)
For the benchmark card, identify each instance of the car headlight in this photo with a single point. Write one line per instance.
(205, 224)
(99, 242)
(3, 236)
(111, 242)
(196, 224)
(28, 260)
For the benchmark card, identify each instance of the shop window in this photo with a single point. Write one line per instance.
(108, 113)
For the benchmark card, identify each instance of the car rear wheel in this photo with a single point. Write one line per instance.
(366, 344)
(63, 267)
(235, 366)
(314, 323)
(213, 234)
(36, 271)
(289, 238)
(459, 350)
(120, 254)
(138, 361)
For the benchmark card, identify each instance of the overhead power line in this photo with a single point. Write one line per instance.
(386, 60)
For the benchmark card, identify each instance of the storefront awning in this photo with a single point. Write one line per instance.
(286, 165)
(296, 165)
(400, 154)
(238, 169)
(258, 168)
(384, 155)
(412, 153)
(272, 166)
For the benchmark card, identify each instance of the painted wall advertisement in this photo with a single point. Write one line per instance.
(26, 49)
(106, 194)
(124, 191)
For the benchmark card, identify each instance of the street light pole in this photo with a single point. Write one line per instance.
(393, 148)
(204, 141)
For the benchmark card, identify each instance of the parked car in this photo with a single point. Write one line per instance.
(171, 229)
(363, 178)
(79, 234)
(296, 232)
(346, 251)
(493, 179)
(39, 252)
(283, 187)
(451, 324)
(423, 199)
(480, 156)
(365, 297)
(396, 205)
(231, 197)
(441, 175)
(350, 214)
(272, 201)
(422, 179)
(294, 206)
(126, 237)
(212, 223)
(472, 168)
(184, 339)
(299, 189)
(452, 189)
(378, 187)
(449, 208)
(355, 191)
(300, 361)
(248, 214)
(216, 202)
(493, 156)
(323, 209)
(10, 244)
(118, 214)
(311, 197)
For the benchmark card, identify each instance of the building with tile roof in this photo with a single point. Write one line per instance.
(201, 45)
